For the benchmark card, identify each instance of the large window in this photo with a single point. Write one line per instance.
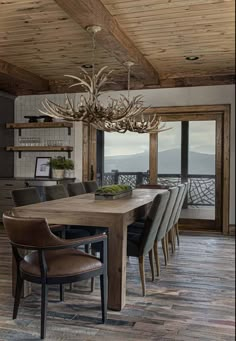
(126, 158)
(202, 137)
(169, 149)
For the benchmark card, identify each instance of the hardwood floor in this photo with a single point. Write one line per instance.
(192, 300)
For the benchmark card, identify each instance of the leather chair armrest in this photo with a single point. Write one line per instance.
(72, 243)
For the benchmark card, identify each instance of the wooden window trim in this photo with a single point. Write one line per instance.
(221, 114)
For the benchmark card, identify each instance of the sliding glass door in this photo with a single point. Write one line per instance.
(187, 153)
(195, 150)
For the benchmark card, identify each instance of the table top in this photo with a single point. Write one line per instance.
(86, 203)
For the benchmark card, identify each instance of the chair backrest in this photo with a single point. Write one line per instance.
(176, 206)
(25, 196)
(90, 186)
(75, 188)
(55, 192)
(29, 233)
(153, 221)
(177, 216)
(167, 215)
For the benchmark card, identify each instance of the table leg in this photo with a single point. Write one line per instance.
(117, 246)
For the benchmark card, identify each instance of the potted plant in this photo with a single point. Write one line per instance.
(58, 167)
(69, 168)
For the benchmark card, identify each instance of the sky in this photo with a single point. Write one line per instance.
(201, 139)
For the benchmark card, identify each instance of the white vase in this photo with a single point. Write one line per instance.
(58, 173)
(69, 173)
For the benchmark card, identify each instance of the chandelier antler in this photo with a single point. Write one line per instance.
(148, 125)
(117, 116)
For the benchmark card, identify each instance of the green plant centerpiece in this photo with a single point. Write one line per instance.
(113, 192)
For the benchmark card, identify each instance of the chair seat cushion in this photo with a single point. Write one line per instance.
(61, 263)
(136, 227)
(133, 244)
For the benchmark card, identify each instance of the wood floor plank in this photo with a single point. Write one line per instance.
(193, 300)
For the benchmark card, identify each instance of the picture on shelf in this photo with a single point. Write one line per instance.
(43, 167)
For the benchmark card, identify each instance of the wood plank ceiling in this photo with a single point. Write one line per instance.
(44, 39)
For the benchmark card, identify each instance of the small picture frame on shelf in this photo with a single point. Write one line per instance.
(42, 167)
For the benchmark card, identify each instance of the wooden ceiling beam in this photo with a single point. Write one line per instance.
(112, 37)
(20, 75)
(63, 86)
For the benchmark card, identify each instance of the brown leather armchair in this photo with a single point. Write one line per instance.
(52, 260)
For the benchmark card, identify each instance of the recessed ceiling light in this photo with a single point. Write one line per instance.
(87, 66)
(192, 58)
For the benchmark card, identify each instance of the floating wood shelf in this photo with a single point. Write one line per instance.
(38, 125)
(21, 149)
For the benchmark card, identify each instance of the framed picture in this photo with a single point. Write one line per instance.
(42, 167)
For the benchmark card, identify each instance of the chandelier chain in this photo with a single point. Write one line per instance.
(94, 54)
(129, 74)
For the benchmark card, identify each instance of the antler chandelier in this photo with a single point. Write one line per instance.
(120, 115)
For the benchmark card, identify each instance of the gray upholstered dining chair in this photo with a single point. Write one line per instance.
(55, 192)
(52, 260)
(75, 188)
(161, 234)
(59, 192)
(25, 196)
(141, 244)
(90, 186)
(30, 196)
(170, 232)
(176, 220)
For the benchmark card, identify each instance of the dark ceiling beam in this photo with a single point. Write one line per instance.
(23, 77)
(207, 80)
(63, 86)
(112, 37)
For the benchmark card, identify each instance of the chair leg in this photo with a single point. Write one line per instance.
(44, 306)
(157, 258)
(175, 236)
(86, 247)
(63, 234)
(172, 236)
(142, 274)
(151, 260)
(167, 245)
(19, 285)
(92, 284)
(103, 286)
(164, 251)
(177, 233)
(61, 292)
(171, 241)
(93, 252)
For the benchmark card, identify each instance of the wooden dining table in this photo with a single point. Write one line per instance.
(115, 215)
